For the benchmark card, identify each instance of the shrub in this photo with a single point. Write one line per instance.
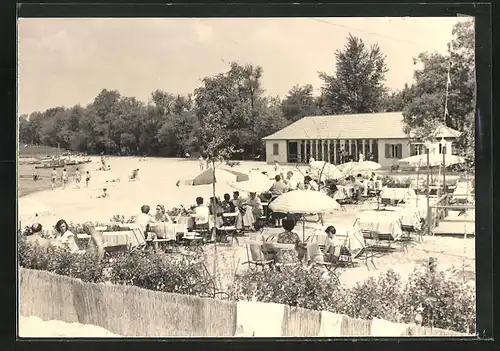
(173, 273)
(295, 286)
(377, 298)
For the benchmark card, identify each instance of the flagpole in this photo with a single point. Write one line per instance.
(448, 83)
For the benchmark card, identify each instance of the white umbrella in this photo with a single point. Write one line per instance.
(367, 166)
(257, 183)
(348, 168)
(326, 170)
(303, 202)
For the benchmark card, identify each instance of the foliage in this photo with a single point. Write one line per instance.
(392, 182)
(451, 304)
(184, 274)
(427, 96)
(357, 86)
(300, 102)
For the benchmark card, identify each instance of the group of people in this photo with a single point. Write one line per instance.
(64, 178)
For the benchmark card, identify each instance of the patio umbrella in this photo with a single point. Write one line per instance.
(348, 168)
(365, 166)
(303, 202)
(326, 170)
(257, 183)
(207, 177)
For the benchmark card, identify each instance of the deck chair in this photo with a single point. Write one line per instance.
(409, 232)
(382, 243)
(256, 257)
(228, 228)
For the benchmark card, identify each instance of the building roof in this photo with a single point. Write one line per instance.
(386, 125)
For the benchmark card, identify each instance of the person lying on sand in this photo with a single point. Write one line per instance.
(135, 175)
(104, 194)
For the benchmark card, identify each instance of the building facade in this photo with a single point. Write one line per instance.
(338, 139)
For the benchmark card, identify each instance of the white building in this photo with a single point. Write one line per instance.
(377, 135)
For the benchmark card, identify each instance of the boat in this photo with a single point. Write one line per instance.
(63, 162)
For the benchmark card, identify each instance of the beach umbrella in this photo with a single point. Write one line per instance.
(222, 175)
(30, 208)
(304, 202)
(325, 170)
(348, 168)
(365, 166)
(257, 183)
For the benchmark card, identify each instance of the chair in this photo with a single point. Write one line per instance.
(408, 231)
(228, 227)
(256, 257)
(202, 227)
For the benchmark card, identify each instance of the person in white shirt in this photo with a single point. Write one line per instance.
(361, 157)
(291, 181)
(66, 237)
(144, 220)
(201, 212)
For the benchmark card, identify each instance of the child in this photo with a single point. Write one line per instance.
(64, 178)
(87, 179)
(54, 178)
(78, 178)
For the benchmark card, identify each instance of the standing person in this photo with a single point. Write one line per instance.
(361, 157)
(87, 179)
(278, 188)
(64, 178)
(276, 166)
(290, 181)
(342, 154)
(207, 162)
(78, 178)
(54, 178)
(201, 163)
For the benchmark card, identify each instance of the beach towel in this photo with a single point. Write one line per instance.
(331, 324)
(259, 319)
(381, 327)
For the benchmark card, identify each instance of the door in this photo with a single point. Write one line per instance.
(293, 152)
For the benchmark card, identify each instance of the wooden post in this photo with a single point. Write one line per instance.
(444, 180)
(428, 193)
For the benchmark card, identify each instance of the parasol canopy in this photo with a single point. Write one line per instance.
(304, 201)
(365, 166)
(257, 183)
(348, 168)
(326, 170)
(222, 175)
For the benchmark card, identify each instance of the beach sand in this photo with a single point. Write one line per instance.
(34, 327)
(156, 185)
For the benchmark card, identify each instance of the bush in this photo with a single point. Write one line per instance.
(441, 301)
(173, 273)
(295, 286)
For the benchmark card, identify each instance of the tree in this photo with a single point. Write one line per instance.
(299, 102)
(357, 85)
(429, 98)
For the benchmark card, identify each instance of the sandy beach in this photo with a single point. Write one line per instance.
(156, 185)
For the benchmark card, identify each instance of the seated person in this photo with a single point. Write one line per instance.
(104, 193)
(215, 210)
(162, 215)
(310, 184)
(288, 237)
(201, 215)
(329, 255)
(278, 188)
(144, 221)
(135, 174)
(228, 207)
(66, 237)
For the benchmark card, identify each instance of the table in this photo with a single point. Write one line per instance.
(169, 231)
(401, 194)
(382, 224)
(121, 238)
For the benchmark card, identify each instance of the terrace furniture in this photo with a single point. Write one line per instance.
(395, 168)
(256, 256)
(228, 228)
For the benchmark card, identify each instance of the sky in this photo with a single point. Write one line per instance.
(63, 62)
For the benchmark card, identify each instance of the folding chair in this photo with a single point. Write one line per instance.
(256, 257)
(228, 227)
(409, 231)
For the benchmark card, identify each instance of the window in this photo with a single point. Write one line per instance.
(417, 149)
(394, 151)
(276, 149)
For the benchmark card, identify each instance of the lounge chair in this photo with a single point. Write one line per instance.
(256, 257)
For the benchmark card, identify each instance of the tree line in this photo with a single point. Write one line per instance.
(233, 107)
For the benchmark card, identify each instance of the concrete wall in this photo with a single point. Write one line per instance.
(281, 157)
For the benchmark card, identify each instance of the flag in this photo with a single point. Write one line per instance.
(449, 79)
(446, 111)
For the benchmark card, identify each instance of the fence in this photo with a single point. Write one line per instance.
(132, 311)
